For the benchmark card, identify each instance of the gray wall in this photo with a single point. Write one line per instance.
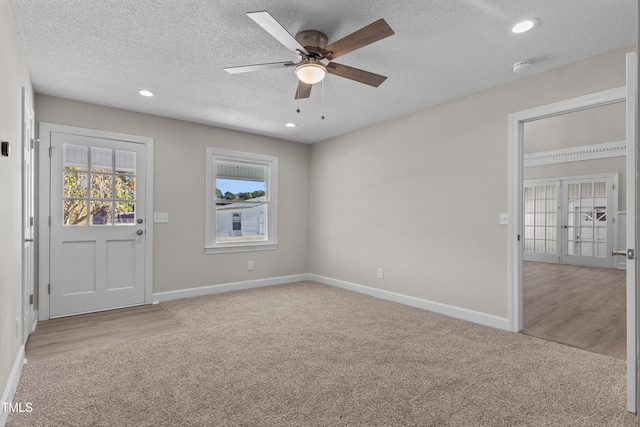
(420, 196)
(13, 77)
(179, 189)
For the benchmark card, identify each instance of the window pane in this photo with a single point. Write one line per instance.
(528, 245)
(101, 213)
(125, 187)
(238, 189)
(551, 247)
(125, 161)
(551, 192)
(75, 156)
(101, 159)
(125, 213)
(101, 186)
(74, 212)
(238, 222)
(600, 189)
(75, 183)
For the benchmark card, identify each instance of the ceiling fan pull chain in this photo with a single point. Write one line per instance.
(322, 106)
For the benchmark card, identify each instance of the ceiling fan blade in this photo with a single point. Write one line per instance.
(257, 67)
(364, 36)
(273, 27)
(304, 90)
(356, 74)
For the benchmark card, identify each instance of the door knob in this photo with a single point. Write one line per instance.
(139, 232)
(629, 253)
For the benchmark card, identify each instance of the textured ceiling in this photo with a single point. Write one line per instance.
(103, 52)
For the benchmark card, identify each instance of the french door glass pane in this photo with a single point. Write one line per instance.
(540, 218)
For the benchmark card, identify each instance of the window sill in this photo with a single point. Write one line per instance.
(232, 248)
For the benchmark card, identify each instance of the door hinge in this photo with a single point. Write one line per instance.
(49, 288)
(50, 151)
(30, 221)
(518, 237)
(31, 299)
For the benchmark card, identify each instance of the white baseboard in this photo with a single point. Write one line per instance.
(12, 385)
(448, 310)
(436, 307)
(227, 287)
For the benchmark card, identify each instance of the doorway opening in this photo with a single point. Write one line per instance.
(517, 122)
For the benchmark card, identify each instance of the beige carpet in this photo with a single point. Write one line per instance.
(311, 355)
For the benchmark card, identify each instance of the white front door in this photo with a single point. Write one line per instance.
(587, 223)
(98, 219)
(28, 198)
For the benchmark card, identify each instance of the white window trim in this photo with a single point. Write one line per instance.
(271, 182)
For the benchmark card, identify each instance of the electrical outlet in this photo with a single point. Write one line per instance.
(250, 266)
(380, 273)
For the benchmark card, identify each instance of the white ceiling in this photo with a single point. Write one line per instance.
(103, 52)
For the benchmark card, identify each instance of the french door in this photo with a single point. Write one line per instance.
(570, 220)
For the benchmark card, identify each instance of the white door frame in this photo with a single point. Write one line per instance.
(29, 313)
(45, 130)
(516, 136)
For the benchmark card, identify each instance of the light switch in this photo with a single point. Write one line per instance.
(504, 218)
(160, 217)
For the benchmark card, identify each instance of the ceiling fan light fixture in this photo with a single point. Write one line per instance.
(311, 72)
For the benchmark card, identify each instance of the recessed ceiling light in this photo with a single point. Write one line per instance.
(524, 26)
(290, 125)
(146, 93)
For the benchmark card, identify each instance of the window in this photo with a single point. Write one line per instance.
(240, 201)
(99, 186)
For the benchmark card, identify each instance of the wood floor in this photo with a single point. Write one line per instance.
(583, 307)
(70, 334)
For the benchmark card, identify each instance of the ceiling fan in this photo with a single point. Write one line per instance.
(311, 47)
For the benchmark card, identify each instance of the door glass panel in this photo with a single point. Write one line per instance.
(540, 218)
(101, 186)
(125, 161)
(125, 213)
(75, 156)
(587, 219)
(101, 159)
(125, 187)
(91, 182)
(101, 213)
(74, 212)
(75, 183)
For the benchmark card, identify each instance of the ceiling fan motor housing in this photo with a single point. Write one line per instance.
(312, 40)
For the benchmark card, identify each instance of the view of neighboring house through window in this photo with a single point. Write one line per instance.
(240, 201)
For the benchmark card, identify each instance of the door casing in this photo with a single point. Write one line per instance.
(29, 313)
(44, 169)
(516, 138)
